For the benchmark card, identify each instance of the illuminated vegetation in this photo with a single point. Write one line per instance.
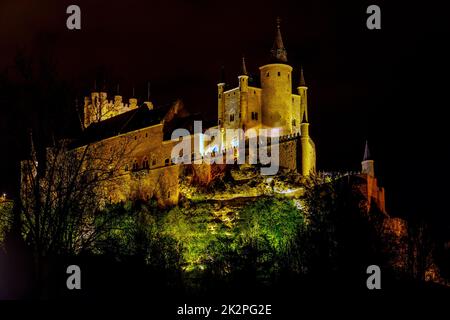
(6, 217)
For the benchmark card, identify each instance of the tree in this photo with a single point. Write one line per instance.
(61, 196)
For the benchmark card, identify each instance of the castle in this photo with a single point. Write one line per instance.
(134, 141)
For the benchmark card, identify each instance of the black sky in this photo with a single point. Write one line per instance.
(389, 86)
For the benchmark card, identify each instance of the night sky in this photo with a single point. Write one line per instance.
(388, 86)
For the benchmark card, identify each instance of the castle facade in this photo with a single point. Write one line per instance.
(134, 140)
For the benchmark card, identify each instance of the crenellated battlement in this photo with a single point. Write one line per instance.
(98, 108)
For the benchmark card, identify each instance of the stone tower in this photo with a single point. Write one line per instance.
(308, 150)
(221, 99)
(367, 163)
(276, 85)
(243, 94)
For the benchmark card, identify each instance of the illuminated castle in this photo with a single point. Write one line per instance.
(273, 105)
(132, 144)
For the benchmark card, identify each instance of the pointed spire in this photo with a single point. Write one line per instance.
(302, 82)
(367, 152)
(304, 118)
(243, 67)
(32, 148)
(118, 89)
(278, 51)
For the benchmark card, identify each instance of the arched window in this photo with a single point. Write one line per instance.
(166, 162)
(154, 162)
(145, 163)
(135, 165)
(126, 167)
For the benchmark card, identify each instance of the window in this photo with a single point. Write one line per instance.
(220, 95)
(166, 162)
(239, 115)
(145, 163)
(135, 165)
(256, 115)
(126, 167)
(231, 117)
(267, 74)
(279, 73)
(135, 137)
(146, 135)
(168, 194)
(253, 116)
(154, 162)
(293, 122)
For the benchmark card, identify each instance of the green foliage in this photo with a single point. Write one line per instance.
(271, 222)
(265, 234)
(6, 217)
(132, 231)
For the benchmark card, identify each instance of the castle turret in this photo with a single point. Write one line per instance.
(221, 98)
(117, 101)
(278, 52)
(96, 111)
(367, 164)
(276, 85)
(302, 91)
(307, 148)
(148, 103)
(132, 101)
(243, 90)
